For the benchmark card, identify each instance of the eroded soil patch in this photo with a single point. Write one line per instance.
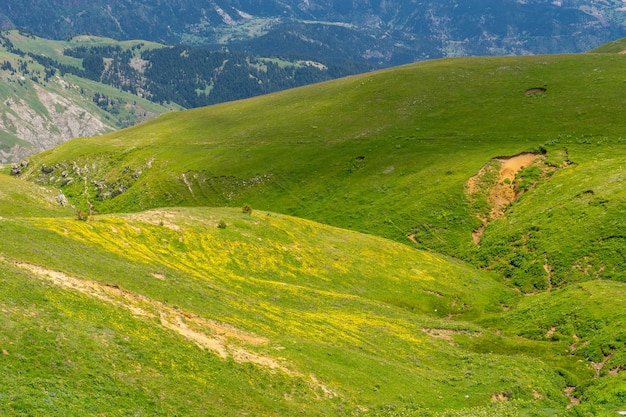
(535, 91)
(447, 334)
(494, 188)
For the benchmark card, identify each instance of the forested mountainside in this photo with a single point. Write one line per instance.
(380, 32)
(43, 107)
(195, 77)
(58, 90)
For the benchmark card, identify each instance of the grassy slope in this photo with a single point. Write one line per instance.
(54, 48)
(361, 152)
(571, 225)
(322, 308)
(20, 198)
(587, 321)
(385, 153)
(615, 47)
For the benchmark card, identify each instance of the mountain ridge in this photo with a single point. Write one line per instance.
(382, 33)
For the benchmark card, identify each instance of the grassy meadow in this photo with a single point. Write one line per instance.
(311, 252)
(323, 337)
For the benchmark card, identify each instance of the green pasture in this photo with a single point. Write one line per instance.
(311, 252)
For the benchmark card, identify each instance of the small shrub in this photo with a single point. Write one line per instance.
(221, 224)
(246, 209)
(83, 216)
(527, 177)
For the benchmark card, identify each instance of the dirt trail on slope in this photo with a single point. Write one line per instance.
(220, 338)
(173, 319)
(569, 393)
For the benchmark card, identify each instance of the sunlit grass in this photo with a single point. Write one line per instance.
(343, 182)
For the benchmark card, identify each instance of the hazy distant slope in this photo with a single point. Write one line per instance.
(381, 32)
(58, 90)
(44, 107)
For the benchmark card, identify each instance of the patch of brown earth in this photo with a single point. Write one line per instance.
(186, 324)
(474, 183)
(158, 276)
(478, 234)
(598, 366)
(569, 393)
(446, 334)
(548, 269)
(535, 91)
(501, 193)
(501, 396)
(157, 217)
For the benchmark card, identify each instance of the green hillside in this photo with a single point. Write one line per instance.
(439, 239)
(20, 198)
(56, 90)
(615, 47)
(271, 313)
(388, 153)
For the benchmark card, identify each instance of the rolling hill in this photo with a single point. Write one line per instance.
(438, 239)
(363, 150)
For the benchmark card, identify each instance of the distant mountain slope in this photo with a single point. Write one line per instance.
(43, 107)
(381, 32)
(58, 90)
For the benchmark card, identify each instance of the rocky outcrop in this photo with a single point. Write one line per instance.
(50, 120)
